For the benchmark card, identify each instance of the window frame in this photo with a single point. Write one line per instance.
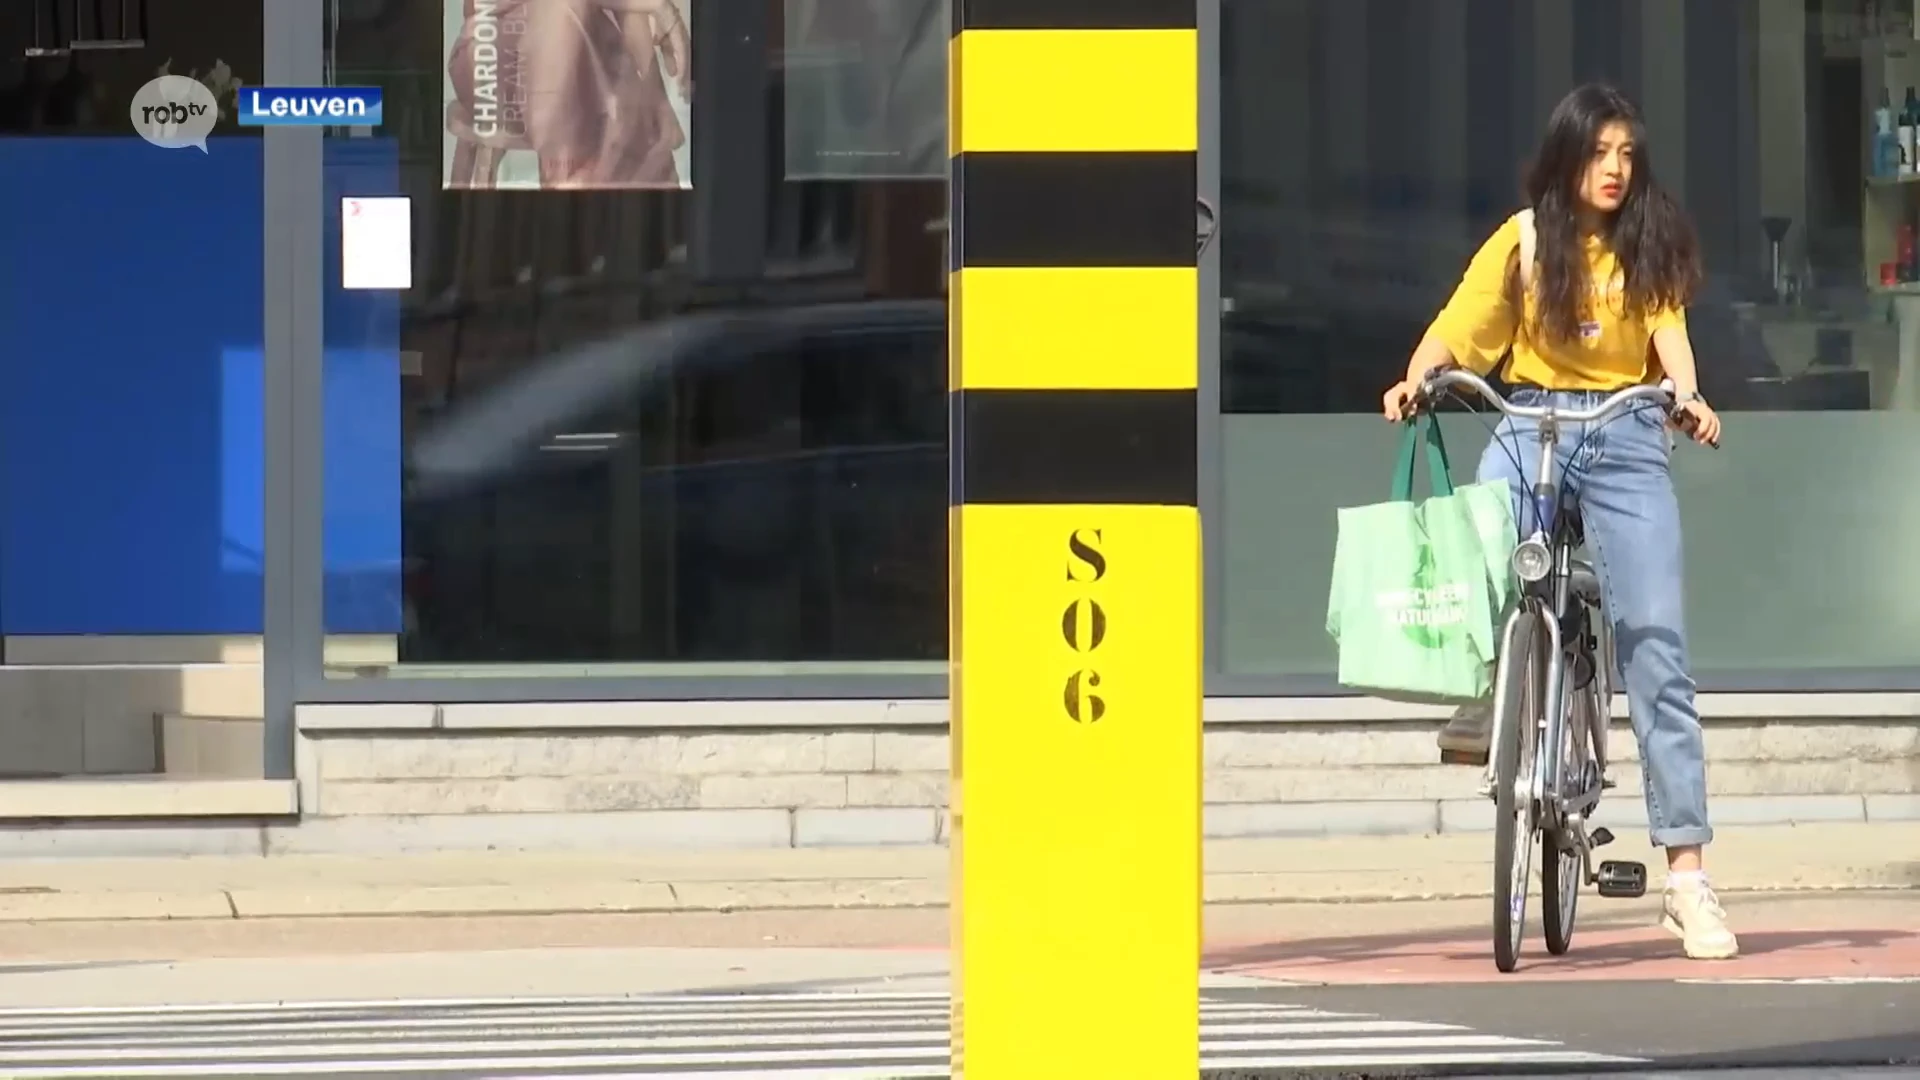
(1219, 683)
(294, 639)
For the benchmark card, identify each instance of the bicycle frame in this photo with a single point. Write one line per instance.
(1549, 596)
(1553, 592)
(1553, 596)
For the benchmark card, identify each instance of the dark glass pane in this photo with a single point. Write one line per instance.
(64, 72)
(648, 400)
(1369, 148)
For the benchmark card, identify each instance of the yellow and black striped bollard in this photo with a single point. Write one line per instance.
(1076, 556)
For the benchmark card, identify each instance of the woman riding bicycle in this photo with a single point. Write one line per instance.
(1616, 264)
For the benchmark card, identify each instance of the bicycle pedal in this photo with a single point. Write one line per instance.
(1461, 757)
(1608, 783)
(1600, 837)
(1622, 880)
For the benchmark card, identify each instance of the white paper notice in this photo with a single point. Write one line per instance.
(376, 243)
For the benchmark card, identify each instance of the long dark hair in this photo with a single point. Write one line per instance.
(1650, 234)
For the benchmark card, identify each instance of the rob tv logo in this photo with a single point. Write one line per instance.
(174, 112)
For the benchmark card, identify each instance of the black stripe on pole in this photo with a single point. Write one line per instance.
(1073, 15)
(1032, 447)
(1076, 209)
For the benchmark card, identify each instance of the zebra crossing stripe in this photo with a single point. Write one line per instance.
(455, 1027)
(697, 1037)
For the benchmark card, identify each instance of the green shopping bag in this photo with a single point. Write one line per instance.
(1417, 586)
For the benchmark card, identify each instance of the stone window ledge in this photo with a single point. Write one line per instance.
(932, 713)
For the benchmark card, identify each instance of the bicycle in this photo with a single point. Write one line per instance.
(1553, 679)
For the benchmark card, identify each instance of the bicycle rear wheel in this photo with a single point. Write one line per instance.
(1517, 699)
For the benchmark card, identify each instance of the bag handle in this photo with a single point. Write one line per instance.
(1529, 245)
(1423, 429)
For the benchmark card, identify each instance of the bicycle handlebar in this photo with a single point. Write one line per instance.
(1458, 376)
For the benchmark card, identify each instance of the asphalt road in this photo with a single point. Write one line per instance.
(1587, 1029)
(1668, 1025)
(1326, 990)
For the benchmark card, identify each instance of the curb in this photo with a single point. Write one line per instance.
(844, 894)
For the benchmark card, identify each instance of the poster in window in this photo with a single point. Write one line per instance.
(544, 95)
(866, 89)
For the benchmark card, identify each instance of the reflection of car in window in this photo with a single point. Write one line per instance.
(767, 484)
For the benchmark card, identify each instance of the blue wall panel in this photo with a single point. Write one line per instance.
(130, 397)
(361, 548)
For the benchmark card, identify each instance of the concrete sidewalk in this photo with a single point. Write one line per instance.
(1809, 857)
(581, 974)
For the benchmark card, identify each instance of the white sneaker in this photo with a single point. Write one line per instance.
(1692, 913)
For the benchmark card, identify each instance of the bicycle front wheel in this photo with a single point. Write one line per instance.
(1561, 863)
(1518, 696)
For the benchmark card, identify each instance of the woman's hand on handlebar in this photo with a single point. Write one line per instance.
(1401, 401)
(1698, 420)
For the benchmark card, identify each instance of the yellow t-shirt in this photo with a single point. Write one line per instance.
(1613, 350)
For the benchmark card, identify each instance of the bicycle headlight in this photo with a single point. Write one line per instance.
(1531, 560)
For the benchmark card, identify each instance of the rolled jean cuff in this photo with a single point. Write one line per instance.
(1691, 836)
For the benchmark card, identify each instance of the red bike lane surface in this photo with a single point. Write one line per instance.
(1769, 951)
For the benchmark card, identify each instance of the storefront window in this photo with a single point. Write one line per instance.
(665, 390)
(1369, 146)
(130, 445)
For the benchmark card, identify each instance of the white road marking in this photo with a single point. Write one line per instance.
(800, 1036)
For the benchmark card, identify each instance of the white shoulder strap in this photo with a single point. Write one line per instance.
(1527, 247)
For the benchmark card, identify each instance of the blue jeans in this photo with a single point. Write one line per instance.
(1618, 473)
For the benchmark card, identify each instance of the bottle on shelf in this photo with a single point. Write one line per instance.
(1886, 146)
(1909, 118)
